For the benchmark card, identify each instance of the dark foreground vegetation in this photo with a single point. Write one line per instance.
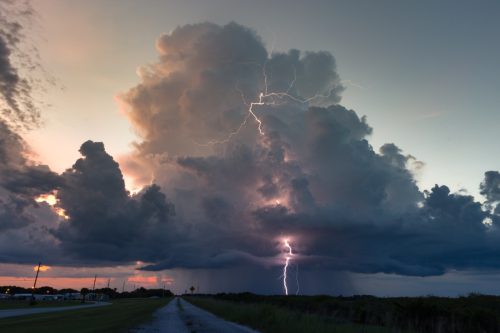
(267, 318)
(471, 314)
(118, 317)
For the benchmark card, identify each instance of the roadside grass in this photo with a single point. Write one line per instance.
(118, 317)
(271, 318)
(23, 304)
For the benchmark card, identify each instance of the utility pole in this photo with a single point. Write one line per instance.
(93, 288)
(34, 284)
(123, 286)
(109, 280)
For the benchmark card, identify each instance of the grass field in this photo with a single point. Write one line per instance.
(14, 304)
(473, 313)
(117, 317)
(269, 318)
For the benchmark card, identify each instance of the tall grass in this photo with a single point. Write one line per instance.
(470, 314)
(269, 318)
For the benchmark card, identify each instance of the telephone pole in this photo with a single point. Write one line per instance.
(36, 276)
(34, 284)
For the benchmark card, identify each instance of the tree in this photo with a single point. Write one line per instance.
(84, 292)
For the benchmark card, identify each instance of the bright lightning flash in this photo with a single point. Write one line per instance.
(288, 257)
(265, 98)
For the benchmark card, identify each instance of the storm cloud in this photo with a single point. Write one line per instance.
(311, 175)
(105, 222)
(223, 186)
(21, 181)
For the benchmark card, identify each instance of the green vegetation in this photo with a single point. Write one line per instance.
(269, 318)
(22, 304)
(117, 317)
(472, 314)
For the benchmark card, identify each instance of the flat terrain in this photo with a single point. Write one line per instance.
(273, 319)
(474, 313)
(117, 317)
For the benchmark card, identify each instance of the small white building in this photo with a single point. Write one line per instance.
(73, 296)
(39, 297)
(96, 297)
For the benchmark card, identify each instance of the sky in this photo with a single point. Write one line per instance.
(383, 101)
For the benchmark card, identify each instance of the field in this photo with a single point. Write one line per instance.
(365, 314)
(117, 317)
(270, 318)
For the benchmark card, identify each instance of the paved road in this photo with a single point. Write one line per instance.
(24, 312)
(190, 319)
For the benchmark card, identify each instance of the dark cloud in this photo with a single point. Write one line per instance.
(105, 222)
(21, 181)
(24, 222)
(490, 188)
(311, 176)
(18, 66)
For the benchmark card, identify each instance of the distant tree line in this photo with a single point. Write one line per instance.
(111, 292)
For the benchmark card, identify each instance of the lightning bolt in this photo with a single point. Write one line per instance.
(265, 98)
(288, 257)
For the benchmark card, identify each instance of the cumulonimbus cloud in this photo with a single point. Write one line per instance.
(309, 174)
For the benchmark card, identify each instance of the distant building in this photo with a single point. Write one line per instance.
(73, 296)
(22, 296)
(39, 297)
(94, 297)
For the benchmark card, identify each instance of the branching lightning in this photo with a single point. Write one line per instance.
(265, 98)
(288, 257)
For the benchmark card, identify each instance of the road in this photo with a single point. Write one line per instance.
(180, 316)
(24, 312)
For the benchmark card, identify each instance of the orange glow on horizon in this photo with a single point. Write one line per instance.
(54, 282)
(143, 279)
(43, 268)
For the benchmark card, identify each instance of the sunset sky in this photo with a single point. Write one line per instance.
(147, 164)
